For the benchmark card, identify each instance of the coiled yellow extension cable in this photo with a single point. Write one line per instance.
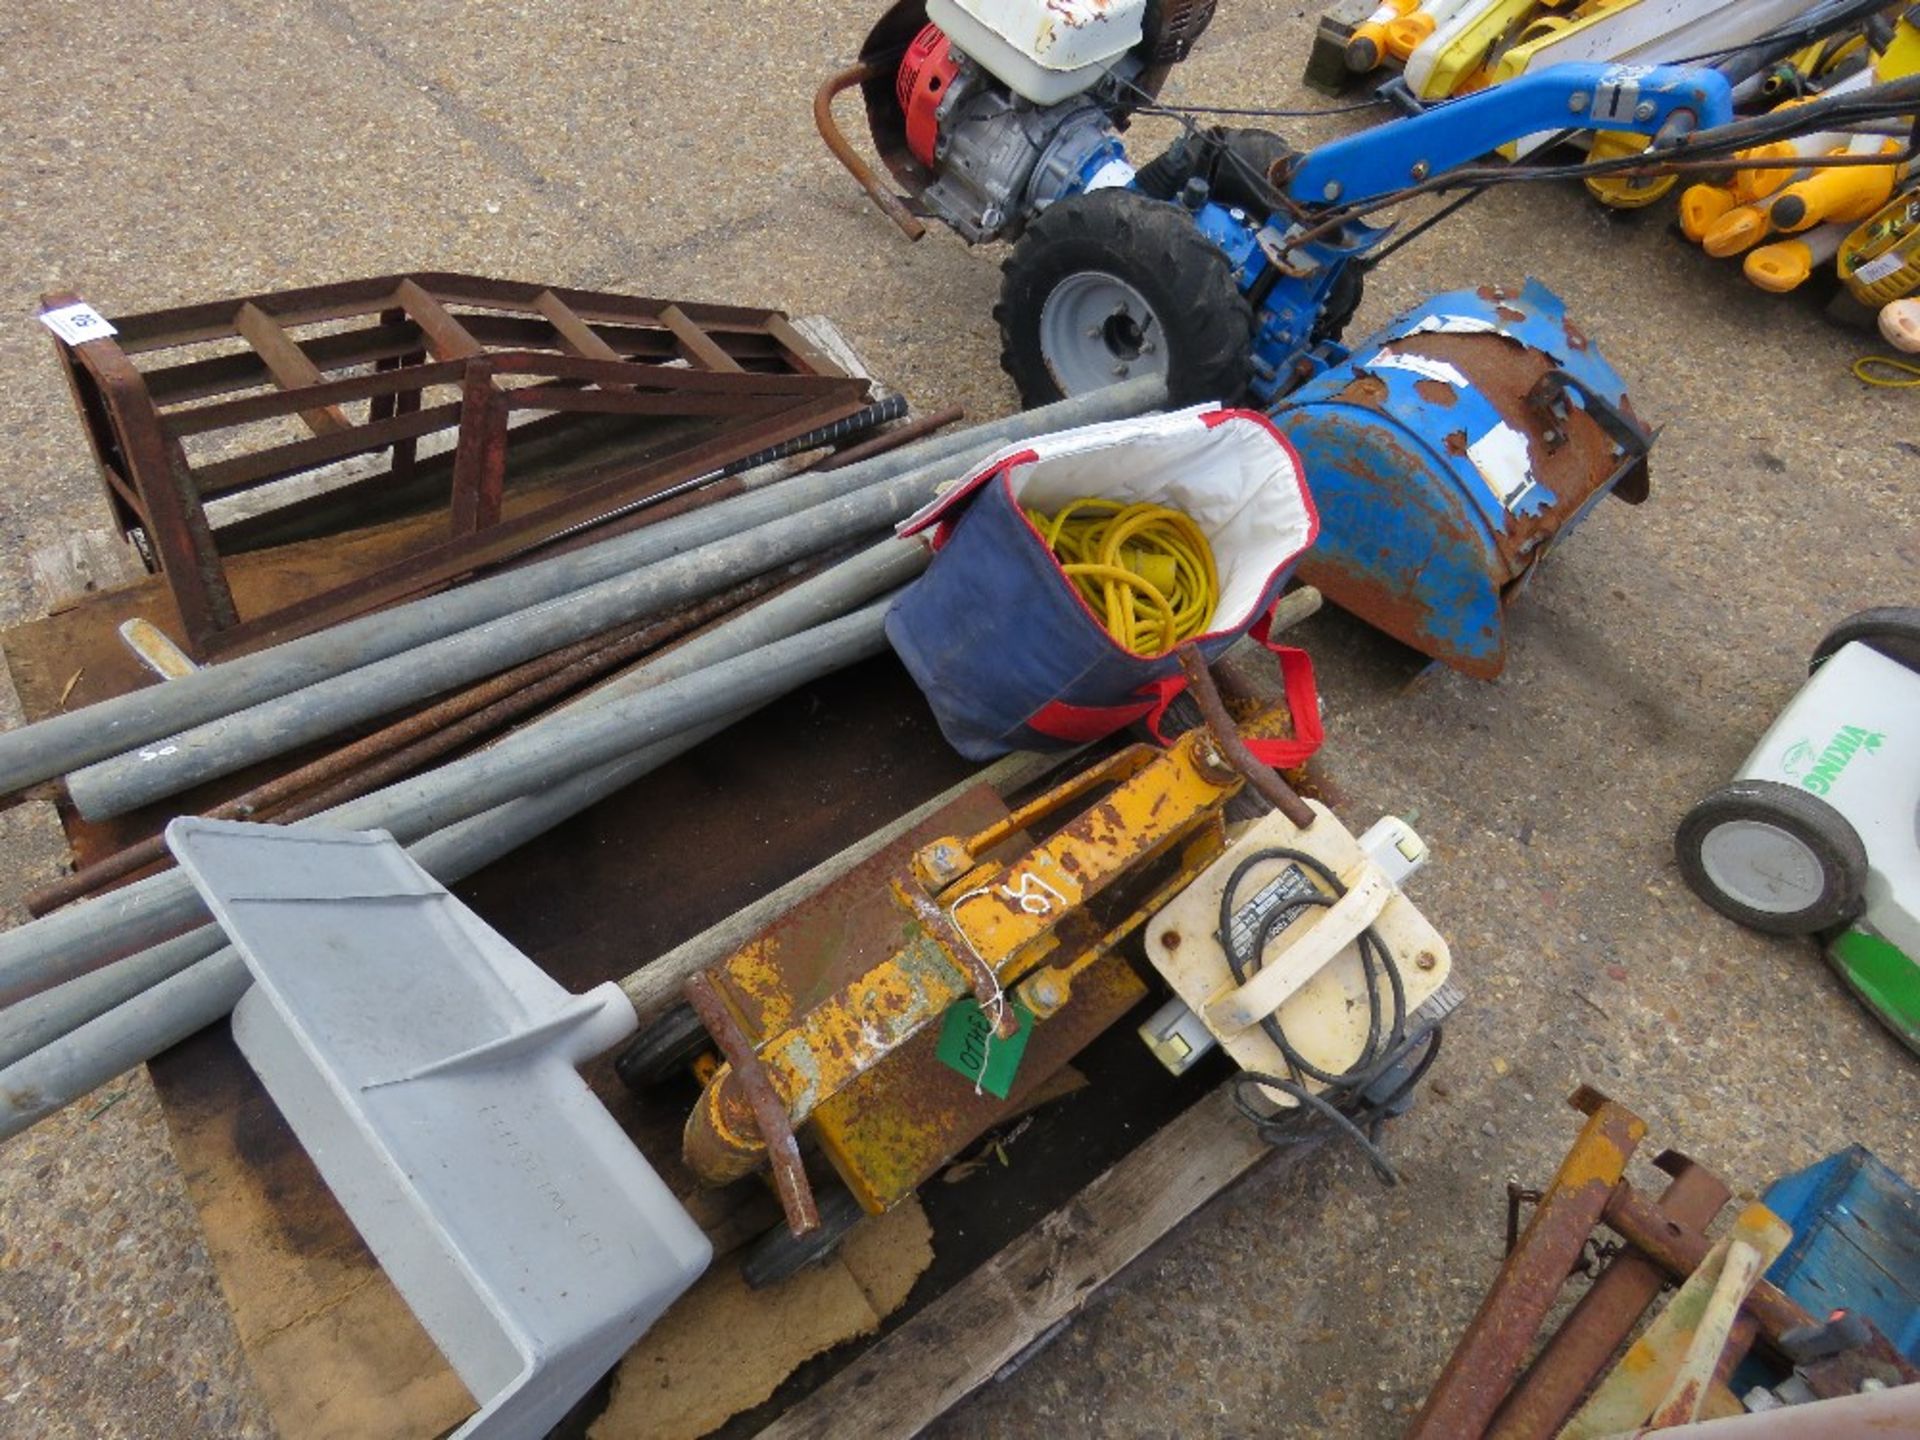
(1147, 569)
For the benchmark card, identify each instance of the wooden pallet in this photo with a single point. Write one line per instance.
(332, 1346)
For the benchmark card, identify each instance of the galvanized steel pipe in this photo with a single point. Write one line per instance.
(73, 941)
(220, 747)
(82, 1036)
(62, 743)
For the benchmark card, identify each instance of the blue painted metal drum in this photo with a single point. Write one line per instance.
(1448, 453)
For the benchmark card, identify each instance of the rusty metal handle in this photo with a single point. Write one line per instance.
(1263, 778)
(769, 1111)
(890, 204)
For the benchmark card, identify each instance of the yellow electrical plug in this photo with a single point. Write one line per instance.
(1626, 192)
(1843, 192)
(1741, 228)
(1409, 33)
(1367, 47)
(1700, 207)
(1782, 266)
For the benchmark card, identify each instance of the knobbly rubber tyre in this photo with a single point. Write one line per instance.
(1822, 833)
(1198, 316)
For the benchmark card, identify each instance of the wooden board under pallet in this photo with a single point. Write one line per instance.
(1022, 1298)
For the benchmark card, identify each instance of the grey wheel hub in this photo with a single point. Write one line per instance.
(1096, 329)
(1762, 866)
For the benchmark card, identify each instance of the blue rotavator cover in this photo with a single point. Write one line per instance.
(1004, 647)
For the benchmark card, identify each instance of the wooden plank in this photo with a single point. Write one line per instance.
(447, 338)
(701, 347)
(1000, 1311)
(289, 366)
(1327, 62)
(81, 564)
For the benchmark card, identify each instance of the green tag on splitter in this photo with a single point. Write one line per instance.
(968, 1045)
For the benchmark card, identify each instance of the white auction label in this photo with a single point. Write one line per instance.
(77, 324)
(1874, 271)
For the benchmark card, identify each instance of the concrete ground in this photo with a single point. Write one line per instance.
(161, 153)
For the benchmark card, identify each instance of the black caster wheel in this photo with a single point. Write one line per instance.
(780, 1253)
(662, 1051)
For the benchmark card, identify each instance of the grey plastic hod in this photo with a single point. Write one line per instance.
(429, 1069)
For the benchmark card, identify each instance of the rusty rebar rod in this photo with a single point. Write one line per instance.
(408, 745)
(917, 428)
(1679, 1251)
(1264, 779)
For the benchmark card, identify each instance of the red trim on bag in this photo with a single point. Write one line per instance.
(942, 522)
(1080, 723)
(1297, 684)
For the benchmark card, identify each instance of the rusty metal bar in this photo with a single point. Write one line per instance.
(289, 366)
(447, 338)
(583, 664)
(171, 510)
(1601, 1323)
(769, 1114)
(1264, 779)
(1491, 1352)
(261, 467)
(379, 387)
(480, 457)
(1679, 1251)
(408, 745)
(700, 347)
(429, 568)
(800, 348)
(213, 320)
(916, 429)
(576, 333)
(891, 205)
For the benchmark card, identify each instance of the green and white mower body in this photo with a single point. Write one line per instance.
(1820, 833)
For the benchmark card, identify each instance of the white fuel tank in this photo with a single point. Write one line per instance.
(1043, 50)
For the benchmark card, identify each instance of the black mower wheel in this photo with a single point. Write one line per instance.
(1773, 857)
(1111, 286)
(779, 1253)
(1893, 630)
(662, 1051)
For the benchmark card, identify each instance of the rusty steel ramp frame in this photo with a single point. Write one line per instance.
(1488, 1388)
(184, 406)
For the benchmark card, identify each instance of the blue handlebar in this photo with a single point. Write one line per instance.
(1634, 99)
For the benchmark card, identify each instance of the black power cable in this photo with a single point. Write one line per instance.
(1341, 1096)
(1703, 151)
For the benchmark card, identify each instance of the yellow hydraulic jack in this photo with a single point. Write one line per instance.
(836, 1018)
